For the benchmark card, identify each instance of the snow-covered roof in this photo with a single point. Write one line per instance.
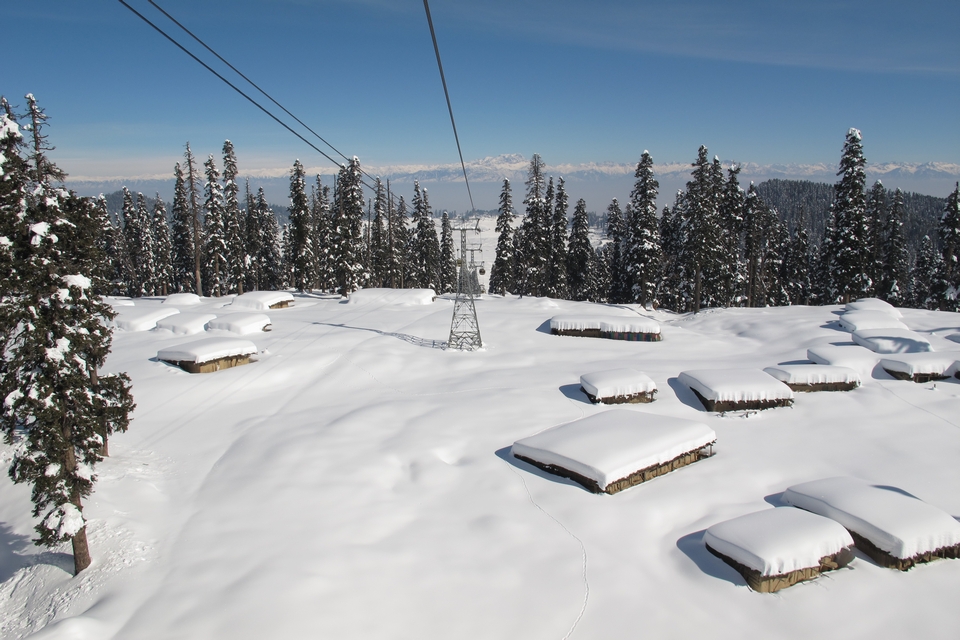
(809, 374)
(735, 385)
(140, 319)
(895, 522)
(207, 349)
(240, 323)
(261, 300)
(579, 322)
(934, 363)
(892, 340)
(393, 296)
(778, 541)
(617, 382)
(873, 304)
(638, 324)
(852, 356)
(186, 323)
(859, 320)
(611, 445)
(182, 299)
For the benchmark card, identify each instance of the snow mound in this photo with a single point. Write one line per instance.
(778, 541)
(891, 520)
(134, 319)
(393, 296)
(735, 385)
(813, 374)
(263, 300)
(892, 340)
(873, 304)
(612, 445)
(921, 364)
(860, 320)
(184, 324)
(576, 322)
(207, 349)
(629, 325)
(182, 299)
(852, 356)
(617, 382)
(240, 323)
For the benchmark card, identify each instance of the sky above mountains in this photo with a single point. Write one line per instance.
(579, 83)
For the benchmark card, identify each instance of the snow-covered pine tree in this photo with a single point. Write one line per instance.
(796, 277)
(823, 280)
(773, 265)
(674, 289)
(320, 240)
(731, 225)
(448, 258)
(139, 236)
(876, 217)
(620, 287)
(425, 247)
(301, 230)
(398, 236)
(347, 229)
(532, 240)
(557, 286)
(947, 290)
(700, 254)
(236, 255)
(923, 275)
(182, 237)
(379, 245)
(116, 267)
(600, 268)
(643, 257)
(252, 238)
(286, 251)
(580, 256)
(215, 232)
(502, 271)
(894, 279)
(160, 230)
(271, 246)
(192, 179)
(851, 244)
(754, 235)
(57, 410)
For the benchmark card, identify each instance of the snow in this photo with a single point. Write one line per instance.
(83, 282)
(921, 363)
(141, 319)
(954, 337)
(240, 323)
(809, 374)
(119, 302)
(609, 446)
(207, 349)
(778, 541)
(393, 296)
(735, 385)
(893, 520)
(873, 304)
(859, 320)
(185, 323)
(182, 299)
(261, 300)
(575, 322)
(357, 483)
(629, 325)
(892, 340)
(66, 520)
(851, 356)
(617, 382)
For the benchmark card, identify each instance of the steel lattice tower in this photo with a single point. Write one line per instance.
(464, 328)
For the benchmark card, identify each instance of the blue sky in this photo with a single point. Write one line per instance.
(577, 82)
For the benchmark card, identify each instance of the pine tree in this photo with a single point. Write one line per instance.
(947, 290)
(502, 273)
(398, 240)
(731, 226)
(580, 256)
(673, 290)
(644, 256)
(320, 241)
(754, 235)
(270, 256)
(192, 180)
(894, 278)
(620, 287)
(532, 241)
(797, 264)
(557, 286)
(925, 269)
(379, 247)
(850, 262)
(116, 268)
(700, 254)
(347, 229)
(57, 410)
(215, 232)
(301, 231)
(448, 259)
(425, 249)
(876, 219)
(162, 268)
(182, 237)
(236, 255)
(253, 237)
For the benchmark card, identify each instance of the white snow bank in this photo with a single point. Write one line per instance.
(892, 340)
(874, 304)
(262, 300)
(912, 364)
(611, 445)
(617, 382)
(134, 319)
(575, 322)
(735, 385)
(393, 296)
(207, 349)
(810, 374)
(186, 323)
(859, 320)
(852, 356)
(182, 299)
(240, 323)
(637, 324)
(778, 541)
(894, 522)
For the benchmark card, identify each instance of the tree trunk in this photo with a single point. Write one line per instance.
(81, 551)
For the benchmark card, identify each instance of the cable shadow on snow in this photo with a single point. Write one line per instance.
(692, 546)
(575, 392)
(406, 337)
(505, 455)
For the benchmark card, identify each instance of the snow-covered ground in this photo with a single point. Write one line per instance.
(355, 481)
